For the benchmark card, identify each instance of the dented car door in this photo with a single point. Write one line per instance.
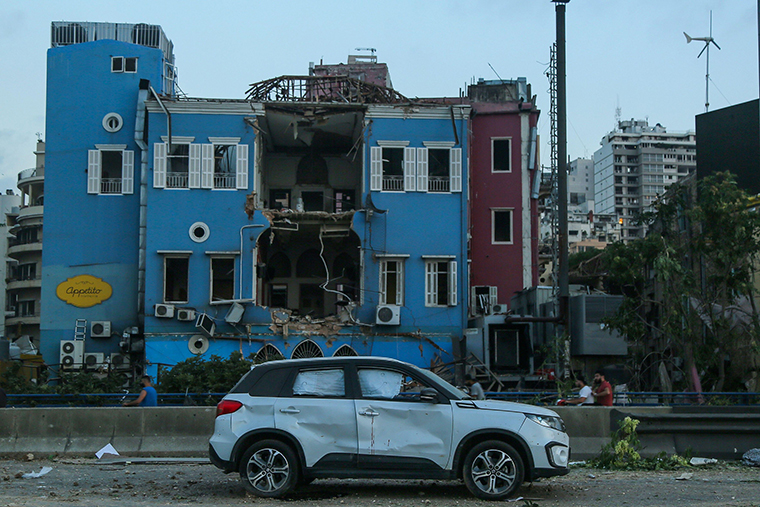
(320, 415)
(396, 428)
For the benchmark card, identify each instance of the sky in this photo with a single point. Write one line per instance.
(620, 53)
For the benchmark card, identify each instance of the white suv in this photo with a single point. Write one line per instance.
(288, 422)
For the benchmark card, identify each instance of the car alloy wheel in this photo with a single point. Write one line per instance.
(269, 469)
(493, 470)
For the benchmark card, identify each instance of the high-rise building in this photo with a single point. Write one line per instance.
(635, 165)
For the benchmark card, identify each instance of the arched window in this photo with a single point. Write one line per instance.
(278, 266)
(267, 353)
(345, 351)
(344, 267)
(312, 170)
(306, 349)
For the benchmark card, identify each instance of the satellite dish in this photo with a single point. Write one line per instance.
(197, 344)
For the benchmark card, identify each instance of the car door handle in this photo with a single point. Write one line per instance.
(290, 410)
(368, 412)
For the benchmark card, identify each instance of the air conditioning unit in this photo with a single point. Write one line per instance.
(499, 309)
(235, 313)
(163, 311)
(72, 354)
(94, 360)
(185, 314)
(100, 329)
(119, 360)
(205, 324)
(388, 315)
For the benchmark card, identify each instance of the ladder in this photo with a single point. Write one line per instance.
(80, 329)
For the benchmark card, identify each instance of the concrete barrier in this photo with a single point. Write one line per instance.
(711, 432)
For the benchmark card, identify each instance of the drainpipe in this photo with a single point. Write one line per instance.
(168, 120)
(140, 121)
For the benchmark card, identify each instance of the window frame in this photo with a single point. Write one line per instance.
(432, 274)
(95, 181)
(214, 256)
(511, 212)
(241, 160)
(509, 157)
(176, 255)
(400, 276)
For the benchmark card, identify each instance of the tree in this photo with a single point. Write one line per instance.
(688, 285)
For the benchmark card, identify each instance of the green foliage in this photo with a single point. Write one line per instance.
(622, 453)
(196, 375)
(697, 261)
(575, 259)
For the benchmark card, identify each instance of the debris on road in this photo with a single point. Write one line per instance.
(752, 458)
(34, 475)
(684, 476)
(107, 449)
(702, 461)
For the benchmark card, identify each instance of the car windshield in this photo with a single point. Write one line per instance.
(439, 382)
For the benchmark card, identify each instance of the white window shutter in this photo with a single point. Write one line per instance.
(242, 167)
(128, 172)
(492, 295)
(376, 168)
(455, 169)
(400, 283)
(207, 166)
(383, 275)
(422, 169)
(194, 166)
(431, 283)
(452, 283)
(159, 165)
(409, 169)
(93, 171)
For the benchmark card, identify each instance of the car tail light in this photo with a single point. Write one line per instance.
(227, 407)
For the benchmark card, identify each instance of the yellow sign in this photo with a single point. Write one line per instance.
(84, 291)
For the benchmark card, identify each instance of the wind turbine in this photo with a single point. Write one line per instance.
(707, 41)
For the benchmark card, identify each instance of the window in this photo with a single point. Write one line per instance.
(389, 385)
(110, 170)
(25, 309)
(320, 383)
(501, 151)
(222, 279)
(224, 164)
(501, 226)
(440, 282)
(392, 282)
(122, 64)
(26, 271)
(394, 167)
(176, 271)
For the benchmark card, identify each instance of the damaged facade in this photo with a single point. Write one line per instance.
(321, 215)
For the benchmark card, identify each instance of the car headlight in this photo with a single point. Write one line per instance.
(552, 422)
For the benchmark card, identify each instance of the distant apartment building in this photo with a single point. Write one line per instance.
(635, 165)
(24, 264)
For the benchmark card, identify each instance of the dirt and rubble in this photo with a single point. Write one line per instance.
(143, 482)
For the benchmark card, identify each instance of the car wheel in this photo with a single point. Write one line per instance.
(492, 470)
(269, 469)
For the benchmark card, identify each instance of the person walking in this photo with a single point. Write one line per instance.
(148, 396)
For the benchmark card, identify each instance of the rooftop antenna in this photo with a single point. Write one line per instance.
(497, 74)
(618, 113)
(707, 41)
(371, 50)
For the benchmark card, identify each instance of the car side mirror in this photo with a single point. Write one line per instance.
(429, 395)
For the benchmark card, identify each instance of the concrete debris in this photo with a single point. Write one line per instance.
(591, 476)
(752, 457)
(684, 477)
(34, 475)
(30, 457)
(702, 461)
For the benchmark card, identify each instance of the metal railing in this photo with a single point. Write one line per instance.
(109, 399)
(110, 186)
(176, 180)
(224, 181)
(640, 398)
(393, 183)
(438, 183)
(64, 33)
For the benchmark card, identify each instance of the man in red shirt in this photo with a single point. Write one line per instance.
(603, 393)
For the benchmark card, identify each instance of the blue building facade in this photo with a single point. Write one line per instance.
(318, 216)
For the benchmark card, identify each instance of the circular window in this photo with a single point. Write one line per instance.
(199, 232)
(113, 122)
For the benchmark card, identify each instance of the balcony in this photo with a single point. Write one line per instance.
(24, 283)
(32, 320)
(29, 176)
(30, 212)
(17, 248)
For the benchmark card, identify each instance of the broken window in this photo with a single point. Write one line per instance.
(179, 169)
(179, 166)
(222, 279)
(326, 383)
(224, 164)
(279, 199)
(440, 282)
(176, 270)
(501, 151)
(392, 167)
(501, 226)
(278, 295)
(438, 170)
(110, 170)
(392, 282)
